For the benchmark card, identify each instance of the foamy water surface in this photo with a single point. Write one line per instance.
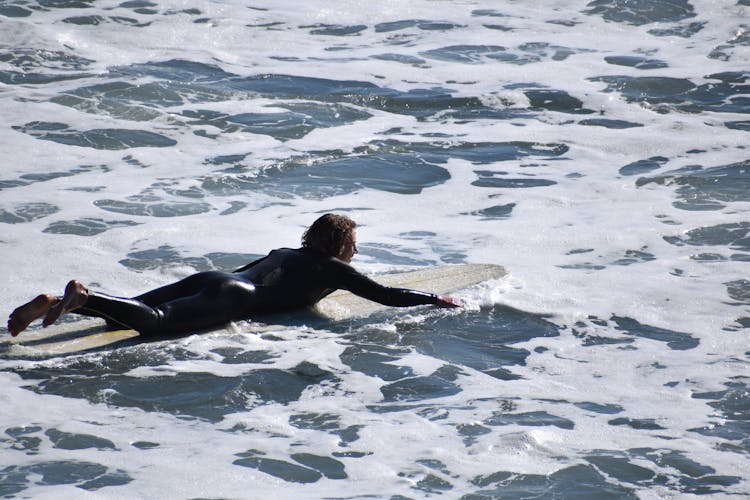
(597, 149)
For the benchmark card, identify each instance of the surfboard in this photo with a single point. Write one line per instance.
(86, 335)
(341, 305)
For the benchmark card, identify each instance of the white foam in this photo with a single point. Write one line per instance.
(589, 220)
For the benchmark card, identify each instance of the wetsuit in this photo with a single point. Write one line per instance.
(285, 279)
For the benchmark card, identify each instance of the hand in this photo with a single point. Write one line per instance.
(448, 302)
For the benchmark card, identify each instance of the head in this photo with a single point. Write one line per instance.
(333, 235)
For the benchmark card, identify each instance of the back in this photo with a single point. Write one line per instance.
(298, 277)
(301, 277)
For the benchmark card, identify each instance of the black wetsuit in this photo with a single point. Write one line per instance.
(285, 279)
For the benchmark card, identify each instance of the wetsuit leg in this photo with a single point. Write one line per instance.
(218, 303)
(218, 298)
(122, 307)
(188, 286)
(123, 311)
(191, 285)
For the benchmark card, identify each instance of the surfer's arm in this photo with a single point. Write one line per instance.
(359, 284)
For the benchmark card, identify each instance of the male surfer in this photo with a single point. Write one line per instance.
(285, 279)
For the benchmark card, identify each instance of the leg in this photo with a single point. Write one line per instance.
(75, 296)
(191, 285)
(152, 298)
(123, 312)
(111, 324)
(185, 287)
(22, 316)
(218, 303)
(217, 299)
(144, 319)
(221, 299)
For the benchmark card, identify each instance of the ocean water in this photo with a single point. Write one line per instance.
(597, 149)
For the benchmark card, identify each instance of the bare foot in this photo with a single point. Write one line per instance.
(75, 296)
(22, 316)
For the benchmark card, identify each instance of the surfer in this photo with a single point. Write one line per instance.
(283, 280)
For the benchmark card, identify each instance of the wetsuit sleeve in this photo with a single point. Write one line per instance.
(357, 283)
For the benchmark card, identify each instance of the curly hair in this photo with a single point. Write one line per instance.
(329, 234)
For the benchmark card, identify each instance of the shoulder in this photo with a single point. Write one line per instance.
(287, 254)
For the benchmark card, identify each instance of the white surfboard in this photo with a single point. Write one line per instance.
(341, 305)
(86, 335)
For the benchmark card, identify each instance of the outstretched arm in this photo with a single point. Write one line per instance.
(352, 280)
